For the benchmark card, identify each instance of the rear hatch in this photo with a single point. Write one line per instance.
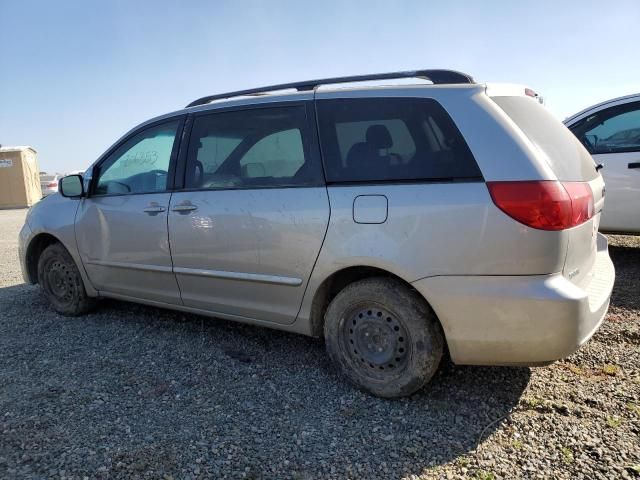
(572, 166)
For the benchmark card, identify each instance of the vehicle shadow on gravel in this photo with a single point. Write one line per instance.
(130, 390)
(626, 292)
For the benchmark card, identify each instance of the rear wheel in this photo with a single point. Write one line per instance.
(61, 282)
(383, 337)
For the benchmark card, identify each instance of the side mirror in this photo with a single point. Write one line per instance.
(71, 186)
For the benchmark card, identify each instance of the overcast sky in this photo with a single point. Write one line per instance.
(74, 76)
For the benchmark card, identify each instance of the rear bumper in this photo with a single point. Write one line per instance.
(520, 320)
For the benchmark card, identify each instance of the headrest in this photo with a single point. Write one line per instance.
(379, 137)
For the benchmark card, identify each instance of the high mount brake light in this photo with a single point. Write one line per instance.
(545, 205)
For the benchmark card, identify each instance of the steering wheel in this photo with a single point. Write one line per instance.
(223, 180)
(397, 157)
(127, 187)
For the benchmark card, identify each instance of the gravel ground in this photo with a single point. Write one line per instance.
(138, 392)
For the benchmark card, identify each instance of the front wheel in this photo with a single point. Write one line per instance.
(383, 337)
(61, 282)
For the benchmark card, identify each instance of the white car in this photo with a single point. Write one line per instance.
(49, 184)
(611, 132)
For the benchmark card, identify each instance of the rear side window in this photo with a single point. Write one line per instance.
(563, 152)
(392, 139)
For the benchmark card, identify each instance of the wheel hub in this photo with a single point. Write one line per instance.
(377, 340)
(59, 281)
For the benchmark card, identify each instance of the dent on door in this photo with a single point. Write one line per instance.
(124, 246)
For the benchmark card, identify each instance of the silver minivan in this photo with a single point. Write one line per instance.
(398, 222)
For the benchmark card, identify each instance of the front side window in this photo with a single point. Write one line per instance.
(139, 165)
(392, 139)
(262, 147)
(614, 130)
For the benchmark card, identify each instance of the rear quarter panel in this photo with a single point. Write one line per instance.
(444, 229)
(432, 230)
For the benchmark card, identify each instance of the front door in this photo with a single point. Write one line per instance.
(613, 137)
(247, 229)
(121, 228)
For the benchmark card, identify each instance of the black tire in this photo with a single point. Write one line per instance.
(383, 337)
(61, 282)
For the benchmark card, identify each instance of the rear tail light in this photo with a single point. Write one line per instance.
(545, 205)
(52, 185)
(582, 203)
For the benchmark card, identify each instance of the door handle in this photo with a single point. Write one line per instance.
(634, 165)
(154, 209)
(184, 208)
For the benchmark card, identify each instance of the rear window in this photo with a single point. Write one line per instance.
(392, 139)
(566, 156)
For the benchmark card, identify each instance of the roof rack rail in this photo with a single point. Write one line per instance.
(435, 76)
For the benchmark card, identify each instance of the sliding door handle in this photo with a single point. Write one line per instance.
(154, 209)
(634, 165)
(184, 208)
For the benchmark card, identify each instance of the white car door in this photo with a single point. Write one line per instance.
(612, 135)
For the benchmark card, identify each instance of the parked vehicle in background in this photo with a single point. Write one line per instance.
(610, 131)
(49, 184)
(19, 179)
(394, 221)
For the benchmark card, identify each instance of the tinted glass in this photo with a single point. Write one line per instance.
(262, 147)
(279, 155)
(141, 164)
(392, 139)
(613, 130)
(562, 151)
